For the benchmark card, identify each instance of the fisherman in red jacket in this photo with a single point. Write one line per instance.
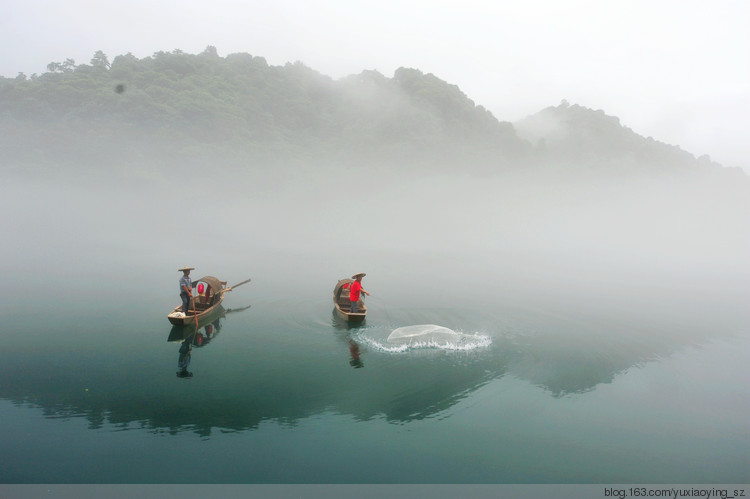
(354, 289)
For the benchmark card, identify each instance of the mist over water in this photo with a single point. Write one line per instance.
(649, 251)
(563, 293)
(666, 247)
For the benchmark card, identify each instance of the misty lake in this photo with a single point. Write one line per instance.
(572, 364)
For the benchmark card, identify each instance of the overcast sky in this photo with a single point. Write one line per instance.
(676, 70)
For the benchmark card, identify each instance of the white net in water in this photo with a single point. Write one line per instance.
(422, 337)
(424, 332)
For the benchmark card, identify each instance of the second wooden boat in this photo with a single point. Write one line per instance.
(343, 305)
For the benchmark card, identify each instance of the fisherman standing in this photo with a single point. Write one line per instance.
(186, 288)
(354, 290)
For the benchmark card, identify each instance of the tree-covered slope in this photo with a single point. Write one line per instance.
(575, 136)
(238, 111)
(177, 105)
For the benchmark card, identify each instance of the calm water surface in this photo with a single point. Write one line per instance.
(632, 389)
(584, 369)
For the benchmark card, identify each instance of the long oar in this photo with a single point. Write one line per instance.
(230, 288)
(195, 313)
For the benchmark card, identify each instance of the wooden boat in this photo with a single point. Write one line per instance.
(211, 292)
(180, 332)
(343, 305)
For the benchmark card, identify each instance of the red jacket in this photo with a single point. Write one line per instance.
(354, 290)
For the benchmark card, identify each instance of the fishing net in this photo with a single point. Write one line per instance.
(423, 332)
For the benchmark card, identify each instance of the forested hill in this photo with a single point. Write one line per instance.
(177, 105)
(572, 135)
(240, 111)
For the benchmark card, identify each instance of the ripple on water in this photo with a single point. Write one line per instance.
(421, 337)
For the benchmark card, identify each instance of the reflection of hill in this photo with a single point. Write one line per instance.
(262, 393)
(568, 359)
(584, 333)
(233, 389)
(242, 383)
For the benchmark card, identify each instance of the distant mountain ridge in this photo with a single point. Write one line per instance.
(575, 134)
(238, 109)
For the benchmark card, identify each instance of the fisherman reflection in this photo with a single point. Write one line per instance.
(355, 361)
(183, 360)
(197, 339)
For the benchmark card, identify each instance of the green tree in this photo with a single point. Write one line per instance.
(62, 67)
(100, 60)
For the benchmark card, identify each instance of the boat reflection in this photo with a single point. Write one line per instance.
(191, 337)
(344, 327)
(356, 361)
(340, 323)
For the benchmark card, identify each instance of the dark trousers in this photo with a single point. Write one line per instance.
(354, 306)
(185, 302)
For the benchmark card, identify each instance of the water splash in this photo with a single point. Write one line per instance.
(430, 332)
(426, 337)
